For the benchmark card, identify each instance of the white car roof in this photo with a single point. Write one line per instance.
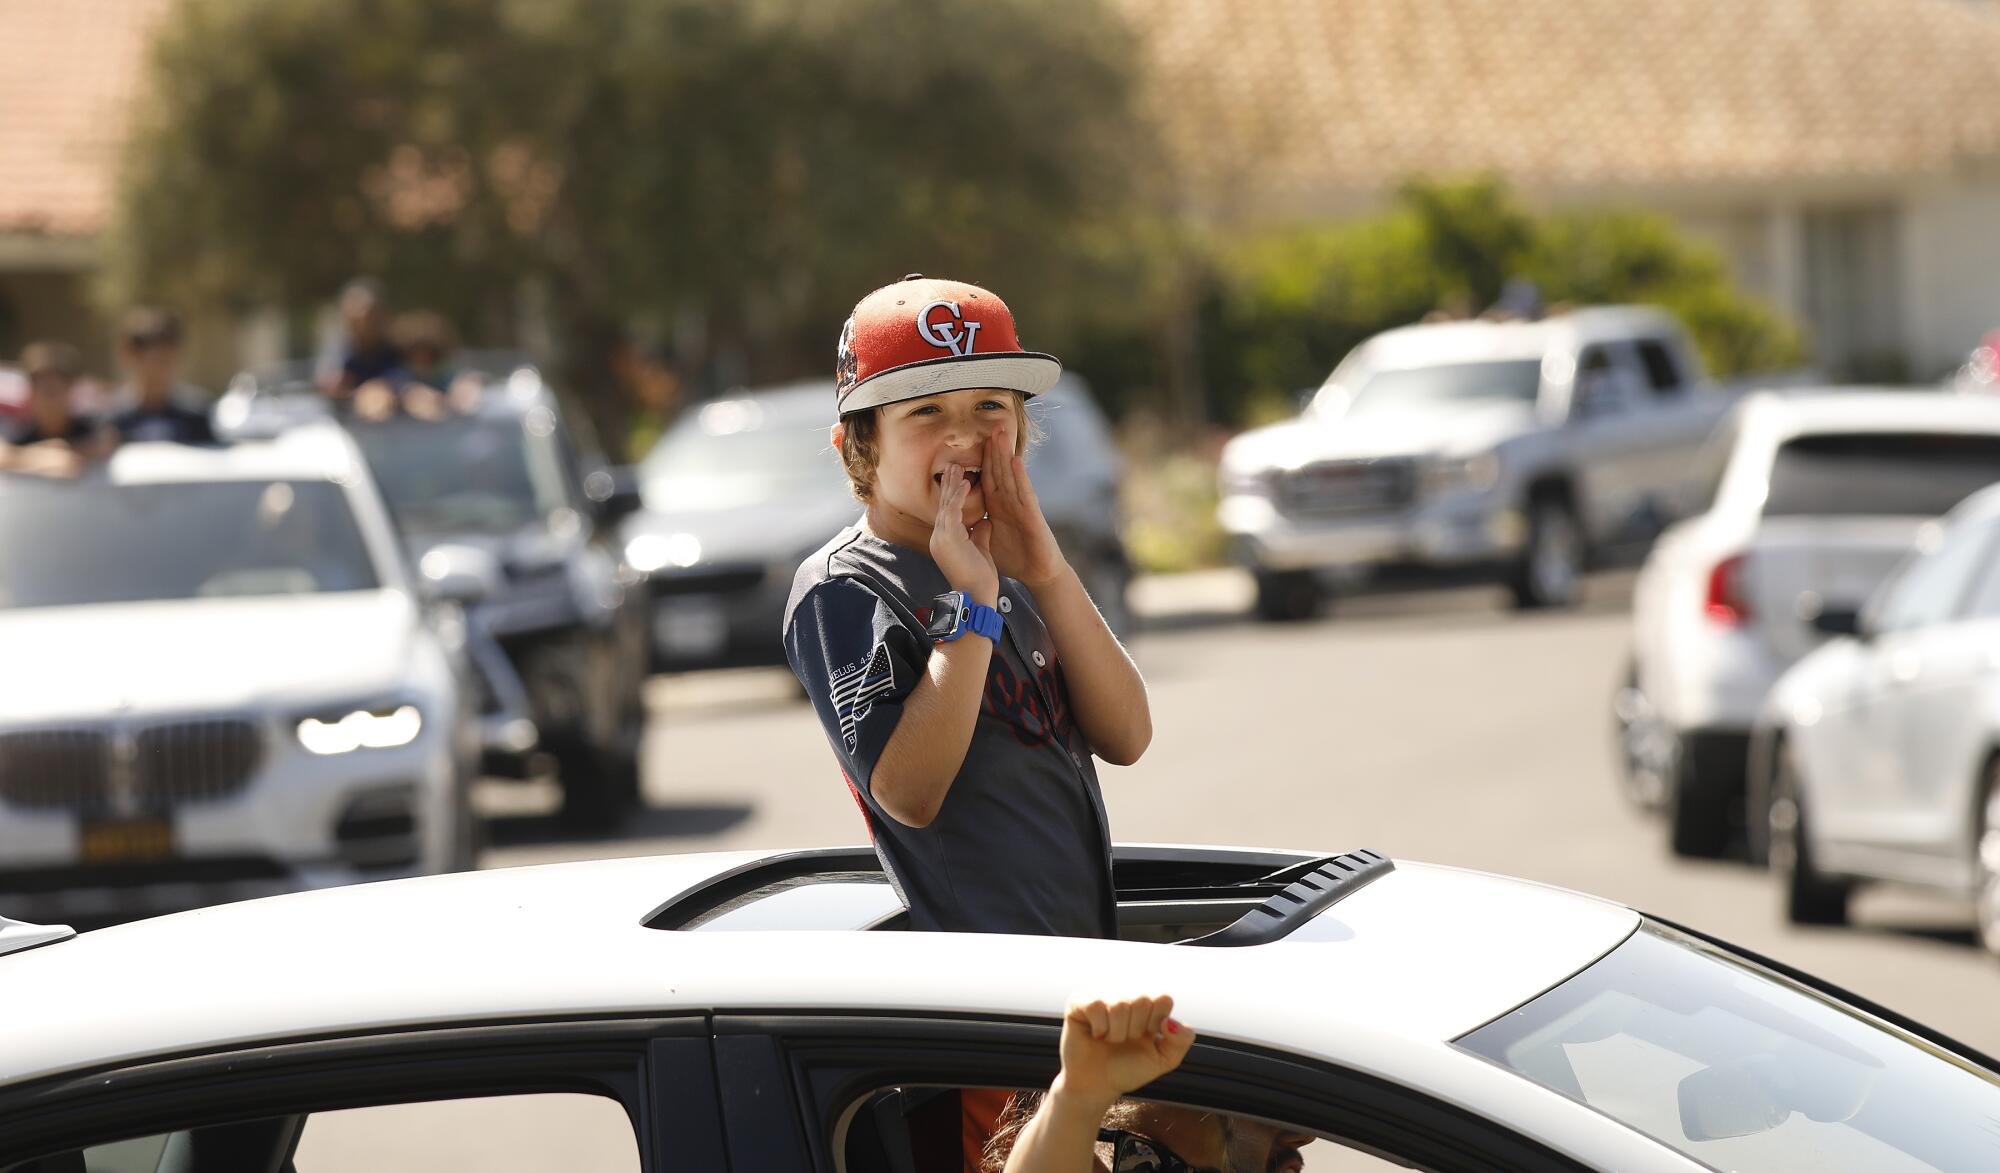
(314, 451)
(1412, 959)
(1435, 343)
(1784, 414)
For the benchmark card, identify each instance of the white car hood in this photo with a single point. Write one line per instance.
(195, 654)
(1387, 433)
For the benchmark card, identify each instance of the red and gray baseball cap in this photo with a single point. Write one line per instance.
(922, 336)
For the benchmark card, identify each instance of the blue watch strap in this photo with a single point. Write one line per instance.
(983, 620)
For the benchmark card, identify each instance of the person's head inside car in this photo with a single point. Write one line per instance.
(364, 314)
(149, 350)
(52, 369)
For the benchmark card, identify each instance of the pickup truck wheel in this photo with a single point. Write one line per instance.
(1986, 862)
(1550, 571)
(1288, 596)
(1810, 898)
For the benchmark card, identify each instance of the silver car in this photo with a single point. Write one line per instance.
(1879, 755)
(742, 488)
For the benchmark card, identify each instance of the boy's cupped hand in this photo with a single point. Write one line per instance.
(1022, 545)
(964, 555)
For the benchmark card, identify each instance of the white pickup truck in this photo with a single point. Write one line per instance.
(1516, 451)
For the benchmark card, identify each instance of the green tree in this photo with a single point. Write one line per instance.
(760, 163)
(1284, 307)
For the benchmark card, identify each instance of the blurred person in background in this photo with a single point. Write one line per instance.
(424, 384)
(648, 381)
(366, 351)
(149, 350)
(52, 437)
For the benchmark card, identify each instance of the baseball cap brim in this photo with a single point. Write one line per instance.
(1023, 371)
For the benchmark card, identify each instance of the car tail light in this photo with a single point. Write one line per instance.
(1727, 603)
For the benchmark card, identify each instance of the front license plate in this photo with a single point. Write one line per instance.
(692, 627)
(128, 841)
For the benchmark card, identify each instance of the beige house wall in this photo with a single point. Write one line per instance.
(1952, 267)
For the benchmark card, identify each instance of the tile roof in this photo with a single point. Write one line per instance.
(1298, 102)
(68, 73)
(1295, 102)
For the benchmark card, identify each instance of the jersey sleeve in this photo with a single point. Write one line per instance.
(858, 662)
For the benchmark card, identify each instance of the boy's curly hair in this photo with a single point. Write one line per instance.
(860, 449)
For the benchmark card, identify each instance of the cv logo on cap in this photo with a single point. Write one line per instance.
(954, 334)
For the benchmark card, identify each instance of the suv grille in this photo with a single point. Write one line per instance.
(708, 580)
(99, 770)
(1348, 486)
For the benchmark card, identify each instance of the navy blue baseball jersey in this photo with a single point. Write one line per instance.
(1020, 844)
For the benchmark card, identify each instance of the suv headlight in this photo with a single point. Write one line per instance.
(1445, 474)
(373, 727)
(1248, 482)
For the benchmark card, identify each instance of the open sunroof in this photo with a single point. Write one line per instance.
(1226, 897)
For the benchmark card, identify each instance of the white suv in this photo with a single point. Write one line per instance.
(1805, 503)
(221, 684)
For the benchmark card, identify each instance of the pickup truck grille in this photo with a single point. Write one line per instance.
(111, 770)
(1336, 487)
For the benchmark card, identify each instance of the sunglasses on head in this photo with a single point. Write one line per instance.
(1132, 1153)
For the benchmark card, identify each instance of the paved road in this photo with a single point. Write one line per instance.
(1438, 727)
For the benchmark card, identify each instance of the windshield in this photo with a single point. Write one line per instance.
(1446, 387)
(728, 455)
(1744, 1070)
(89, 541)
(490, 475)
(1906, 474)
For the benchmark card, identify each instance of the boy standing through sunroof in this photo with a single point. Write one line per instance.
(963, 676)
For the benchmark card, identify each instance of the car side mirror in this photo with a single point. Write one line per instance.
(613, 492)
(460, 574)
(1835, 621)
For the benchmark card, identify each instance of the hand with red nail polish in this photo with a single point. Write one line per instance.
(1111, 1047)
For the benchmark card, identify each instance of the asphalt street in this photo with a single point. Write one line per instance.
(1439, 727)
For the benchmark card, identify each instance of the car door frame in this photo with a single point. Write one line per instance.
(629, 1060)
(788, 1081)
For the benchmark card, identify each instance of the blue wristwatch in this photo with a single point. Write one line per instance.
(953, 613)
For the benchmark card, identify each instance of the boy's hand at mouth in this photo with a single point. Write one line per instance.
(1023, 546)
(964, 555)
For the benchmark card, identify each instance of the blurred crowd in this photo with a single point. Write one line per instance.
(383, 365)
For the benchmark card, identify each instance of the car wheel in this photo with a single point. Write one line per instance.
(1288, 596)
(1550, 571)
(469, 836)
(1108, 579)
(1810, 898)
(600, 785)
(1986, 862)
(1698, 817)
(1647, 753)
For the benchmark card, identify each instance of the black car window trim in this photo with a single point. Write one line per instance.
(1819, 985)
(836, 1061)
(620, 1058)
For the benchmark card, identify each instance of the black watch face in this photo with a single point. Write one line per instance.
(944, 616)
